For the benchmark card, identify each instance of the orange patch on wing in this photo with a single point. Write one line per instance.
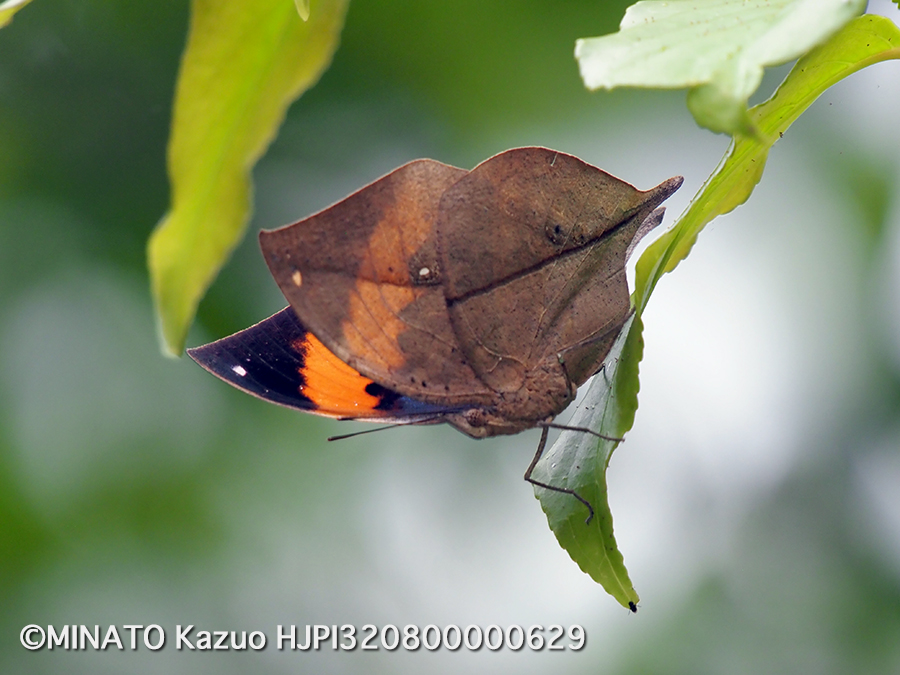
(333, 386)
(373, 325)
(383, 288)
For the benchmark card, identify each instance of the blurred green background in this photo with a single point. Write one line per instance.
(757, 500)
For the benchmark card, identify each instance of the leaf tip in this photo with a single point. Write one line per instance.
(170, 334)
(302, 9)
(167, 290)
(8, 10)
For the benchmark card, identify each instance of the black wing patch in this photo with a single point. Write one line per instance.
(278, 360)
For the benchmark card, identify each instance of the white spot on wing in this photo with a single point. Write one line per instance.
(239, 370)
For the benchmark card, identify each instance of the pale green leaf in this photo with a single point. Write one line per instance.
(716, 48)
(9, 8)
(303, 9)
(245, 62)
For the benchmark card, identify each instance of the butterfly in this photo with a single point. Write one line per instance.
(482, 299)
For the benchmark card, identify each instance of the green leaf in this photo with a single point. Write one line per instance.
(866, 40)
(717, 48)
(9, 8)
(577, 461)
(245, 62)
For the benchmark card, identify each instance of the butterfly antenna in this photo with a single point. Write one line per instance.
(567, 491)
(342, 437)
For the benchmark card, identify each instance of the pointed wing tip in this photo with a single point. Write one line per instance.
(668, 187)
(201, 353)
(195, 353)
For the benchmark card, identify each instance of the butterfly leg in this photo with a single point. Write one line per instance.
(603, 370)
(536, 459)
(564, 427)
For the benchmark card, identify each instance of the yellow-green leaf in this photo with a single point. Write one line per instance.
(245, 62)
(9, 8)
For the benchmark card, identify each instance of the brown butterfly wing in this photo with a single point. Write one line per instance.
(533, 245)
(364, 277)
